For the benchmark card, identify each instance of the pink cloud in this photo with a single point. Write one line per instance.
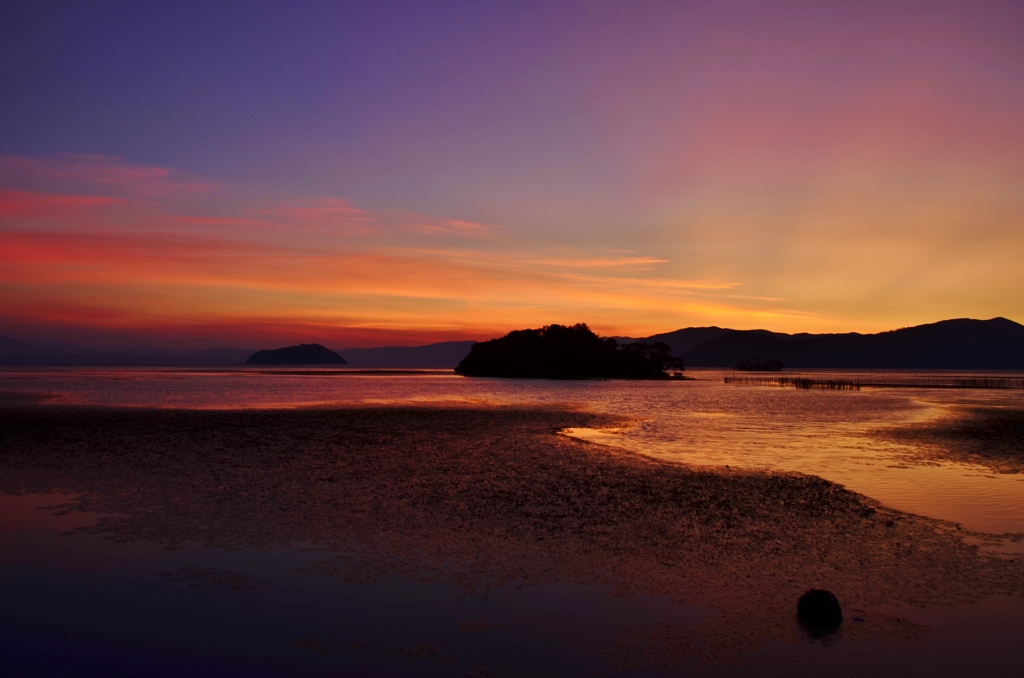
(153, 197)
(341, 216)
(601, 262)
(32, 205)
(100, 171)
(156, 256)
(215, 222)
(329, 215)
(455, 227)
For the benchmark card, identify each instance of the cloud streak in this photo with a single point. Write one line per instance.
(100, 172)
(92, 242)
(31, 206)
(137, 255)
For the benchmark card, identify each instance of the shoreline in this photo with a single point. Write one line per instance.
(990, 437)
(457, 493)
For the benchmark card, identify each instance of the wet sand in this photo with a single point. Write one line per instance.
(487, 496)
(987, 436)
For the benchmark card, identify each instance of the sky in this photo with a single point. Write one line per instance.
(374, 173)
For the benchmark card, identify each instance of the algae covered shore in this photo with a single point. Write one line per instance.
(482, 496)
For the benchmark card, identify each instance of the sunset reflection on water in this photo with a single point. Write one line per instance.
(704, 422)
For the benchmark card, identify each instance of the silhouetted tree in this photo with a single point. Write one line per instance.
(566, 352)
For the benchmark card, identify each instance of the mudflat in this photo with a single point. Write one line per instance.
(486, 495)
(986, 436)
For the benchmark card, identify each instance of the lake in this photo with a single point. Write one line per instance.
(700, 422)
(81, 600)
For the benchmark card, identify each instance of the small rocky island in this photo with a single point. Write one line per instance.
(303, 354)
(567, 352)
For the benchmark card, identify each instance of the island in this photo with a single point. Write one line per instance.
(568, 352)
(303, 354)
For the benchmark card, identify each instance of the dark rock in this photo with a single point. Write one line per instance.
(819, 612)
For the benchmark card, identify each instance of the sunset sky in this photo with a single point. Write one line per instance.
(253, 174)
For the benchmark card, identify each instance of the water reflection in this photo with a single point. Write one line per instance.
(831, 434)
(485, 500)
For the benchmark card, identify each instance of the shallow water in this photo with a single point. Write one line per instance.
(78, 603)
(701, 422)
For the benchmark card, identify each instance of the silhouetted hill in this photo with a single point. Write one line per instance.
(303, 354)
(950, 344)
(685, 340)
(561, 352)
(446, 354)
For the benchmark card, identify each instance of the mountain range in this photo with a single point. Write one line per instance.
(996, 344)
(441, 355)
(950, 344)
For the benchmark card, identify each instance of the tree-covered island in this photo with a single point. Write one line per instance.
(567, 352)
(303, 354)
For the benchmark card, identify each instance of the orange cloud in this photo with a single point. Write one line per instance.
(169, 278)
(326, 215)
(127, 255)
(456, 227)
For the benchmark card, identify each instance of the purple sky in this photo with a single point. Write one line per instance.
(820, 166)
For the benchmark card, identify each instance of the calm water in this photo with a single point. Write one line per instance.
(79, 604)
(702, 422)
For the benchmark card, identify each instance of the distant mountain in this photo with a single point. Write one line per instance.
(446, 354)
(685, 340)
(303, 354)
(949, 344)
